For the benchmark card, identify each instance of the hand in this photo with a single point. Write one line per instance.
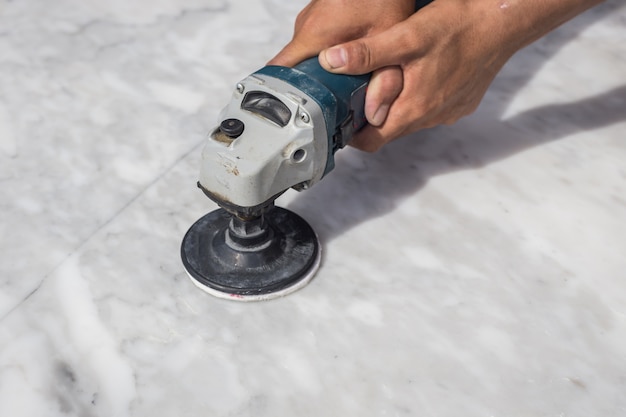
(448, 58)
(325, 23)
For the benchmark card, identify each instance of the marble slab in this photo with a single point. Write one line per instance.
(470, 270)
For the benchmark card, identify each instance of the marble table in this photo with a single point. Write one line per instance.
(469, 270)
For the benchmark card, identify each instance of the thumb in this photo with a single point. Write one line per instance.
(368, 54)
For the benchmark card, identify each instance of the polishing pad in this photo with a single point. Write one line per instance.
(269, 260)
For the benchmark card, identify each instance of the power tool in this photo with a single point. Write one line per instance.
(280, 130)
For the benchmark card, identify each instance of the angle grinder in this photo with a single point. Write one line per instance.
(280, 130)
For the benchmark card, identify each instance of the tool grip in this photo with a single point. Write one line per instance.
(348, 95)
(344, 107)
(343, 103)
(341, 97)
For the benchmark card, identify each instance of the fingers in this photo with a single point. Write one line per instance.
(384, 87)
(365, 55)
(403, 118)
(368, 139)
(372, 138)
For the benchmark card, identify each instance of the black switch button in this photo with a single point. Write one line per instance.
(233, 128)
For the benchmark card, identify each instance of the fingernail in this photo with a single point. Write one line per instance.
(380, 115)
(336, 57)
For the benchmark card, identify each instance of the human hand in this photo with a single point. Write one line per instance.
(448, 53)
(325, 23)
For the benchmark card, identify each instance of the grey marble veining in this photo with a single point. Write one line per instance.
(473, 270)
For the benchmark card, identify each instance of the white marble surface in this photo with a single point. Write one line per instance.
(472, 270)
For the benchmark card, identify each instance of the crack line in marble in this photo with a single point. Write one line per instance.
(81, 244)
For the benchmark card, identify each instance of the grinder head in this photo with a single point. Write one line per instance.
(252, 259)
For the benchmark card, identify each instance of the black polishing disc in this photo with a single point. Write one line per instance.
(283, 263)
